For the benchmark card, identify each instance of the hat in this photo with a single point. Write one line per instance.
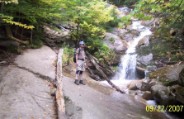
(81, 43)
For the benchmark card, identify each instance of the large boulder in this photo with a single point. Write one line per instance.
(146, 59)
(147, 95)
(181, 78)
(115, 42)
(133, 85)
(168, 95)
(178, 92)
(144, 41)
(162, 95)
(119, 32)
(169, 75)
(52, 36)
(174, 71)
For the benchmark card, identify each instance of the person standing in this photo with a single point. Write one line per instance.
(80, 64)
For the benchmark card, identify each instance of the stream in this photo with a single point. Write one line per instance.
(126, 71)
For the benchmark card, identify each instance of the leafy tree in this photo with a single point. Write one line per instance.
(171, 19)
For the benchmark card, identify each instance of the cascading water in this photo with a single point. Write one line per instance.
(127, 66)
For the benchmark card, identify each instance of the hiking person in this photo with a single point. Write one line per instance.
(80, 63)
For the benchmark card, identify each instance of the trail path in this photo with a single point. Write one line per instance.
(25, 93)
(25, 87)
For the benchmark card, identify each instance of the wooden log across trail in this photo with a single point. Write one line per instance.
(102, 73)
(59, 92)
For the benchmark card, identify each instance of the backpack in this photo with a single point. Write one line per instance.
(74, 57)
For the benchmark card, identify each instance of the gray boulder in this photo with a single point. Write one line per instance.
(162, 95)
(146, 59)
(115, 42)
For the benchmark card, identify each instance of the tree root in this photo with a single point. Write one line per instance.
(11, 37)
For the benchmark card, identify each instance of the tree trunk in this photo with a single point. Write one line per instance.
(11, 37)
(102, 73)
(59, 91)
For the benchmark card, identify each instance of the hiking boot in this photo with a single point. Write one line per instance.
(77, 82)
(82, 82)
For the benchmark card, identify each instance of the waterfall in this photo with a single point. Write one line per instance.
(127, 66)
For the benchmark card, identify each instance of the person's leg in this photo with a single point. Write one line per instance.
(77, 77)
(81, 78)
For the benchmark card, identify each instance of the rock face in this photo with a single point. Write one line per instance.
(52, 37)
(169, 89)
(115, 42)
(25, 92)
(181, 77)
(44, 58)
(161, 94)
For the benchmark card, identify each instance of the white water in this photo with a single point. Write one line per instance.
(127, 66)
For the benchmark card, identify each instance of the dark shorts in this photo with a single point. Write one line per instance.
(79, 72)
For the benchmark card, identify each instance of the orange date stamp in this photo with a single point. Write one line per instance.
(163, 108)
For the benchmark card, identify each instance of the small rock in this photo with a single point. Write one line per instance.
(181, 78)
(132, 84)
(3, 62)
(53, 92)
(152, 83)
(145, 87)
(147, 95)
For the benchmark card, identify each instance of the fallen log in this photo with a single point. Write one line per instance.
(59, 91)
(92, 75)
(92, 59)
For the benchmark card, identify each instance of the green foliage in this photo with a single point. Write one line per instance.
(170, 14)
(67, 55)
(124, 2)
(90, 19)
(9, 1)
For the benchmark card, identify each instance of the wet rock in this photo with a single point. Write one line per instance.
(181, 78)
(114, 42)
(153, 23)
(119, 32)
(147, 95)
(162, 95)
(133, 84)
(128, 37)
(144, 41)
(140, 72)
(177, 91)
(173, 73)
(146, 59)
(151, 68)
(143, 86)
(152, 83)
(138, 85)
